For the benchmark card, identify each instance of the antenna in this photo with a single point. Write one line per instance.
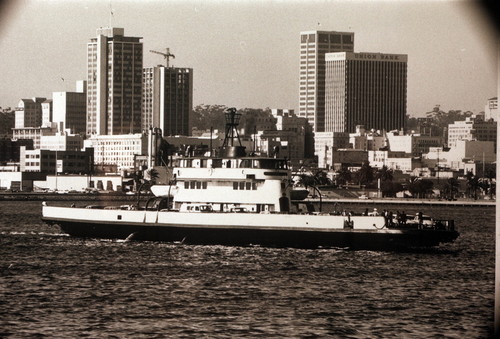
(166, 55)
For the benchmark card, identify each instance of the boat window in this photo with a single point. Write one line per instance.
(186, 184)
(248, 185)
(204, 185)
(216, 163)
(198, 184)
(235, 185)
(193, 184)
(254, 186)
(246, 163)
(242, 185)
(271, 164)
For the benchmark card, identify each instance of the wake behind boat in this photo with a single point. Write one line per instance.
(235, 199)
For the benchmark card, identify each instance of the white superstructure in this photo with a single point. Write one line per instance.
(256, 184)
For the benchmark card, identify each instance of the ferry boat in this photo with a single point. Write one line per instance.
(241, 200)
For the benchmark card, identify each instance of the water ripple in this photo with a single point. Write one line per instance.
(56, 286)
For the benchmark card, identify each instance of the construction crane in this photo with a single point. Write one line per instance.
(166, 55)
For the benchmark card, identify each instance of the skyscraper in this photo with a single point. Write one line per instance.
(313, 47)
(69, 109)
(114, 83)
(365, 89)
(167, 99)
(29, 113)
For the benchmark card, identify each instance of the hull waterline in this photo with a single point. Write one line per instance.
(246, 235)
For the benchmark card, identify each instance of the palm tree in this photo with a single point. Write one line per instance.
(450, 188)
(426, 187)
(412, 186)
(343, 176)
(321, 178)
(473, 185)
(306, 180)
(419, 187)
(385, 174)
(365, 174)
(389, 188)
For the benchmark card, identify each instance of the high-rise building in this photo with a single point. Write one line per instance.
(313, 47)
(117, 150)
(473, 128)
(47, 112)
(29, 113)
(114, 83)
(167, 99)
(491, 109)
(70, 109)
(365, 89)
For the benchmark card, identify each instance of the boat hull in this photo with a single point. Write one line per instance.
(153, 226)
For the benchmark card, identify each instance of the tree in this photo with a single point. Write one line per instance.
(385, 174)
(425, 187)
(306, 180)
(439, 120)
(364, 175)
(206, 116)
(488, 183)
(343, 176)
(251, 118)
(420, 188)
(473, 185)
(450, 188)
(317, 179)
(389, 188)
(412, 186)
(321, 178)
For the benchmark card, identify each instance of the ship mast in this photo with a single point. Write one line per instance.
(229, 149)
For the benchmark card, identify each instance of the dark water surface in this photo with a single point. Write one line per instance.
(55, 286)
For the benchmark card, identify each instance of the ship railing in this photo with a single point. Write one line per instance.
(437, 224)
(447, 225)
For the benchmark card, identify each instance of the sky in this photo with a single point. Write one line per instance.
(245, 54)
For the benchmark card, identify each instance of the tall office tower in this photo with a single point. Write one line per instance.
(114, 83)
(365, 89)
(70, 109)
(167, 99)
(29, 113)
(491, 109)
(313, 47)
(47, 112)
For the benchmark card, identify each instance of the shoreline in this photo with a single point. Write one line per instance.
(30, 196)
(428, 202)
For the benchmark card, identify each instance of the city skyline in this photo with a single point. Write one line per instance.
(246, 54)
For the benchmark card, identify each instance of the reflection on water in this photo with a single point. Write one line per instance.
(54, 285)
